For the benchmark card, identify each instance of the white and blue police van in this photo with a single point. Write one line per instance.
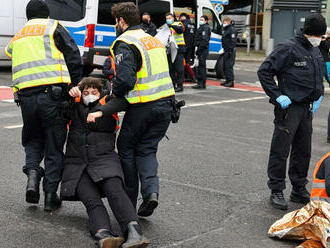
(92, 27)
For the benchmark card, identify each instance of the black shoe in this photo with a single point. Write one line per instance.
(179, 89)
(32, 194)
(328, 140)
(277, 200)
(228, 84)
(300, 195)
(148, 205)
(135, 238)
(106, 239)
(52, 202)
(197, 87)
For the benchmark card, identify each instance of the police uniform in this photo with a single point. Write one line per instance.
(202, 39)
(229, 41)
(177, 67)
(149, 28)
(299, 68)
(45, 61)
(142, 77)
(189, 34)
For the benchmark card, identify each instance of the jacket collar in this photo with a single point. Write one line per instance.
(303, 40)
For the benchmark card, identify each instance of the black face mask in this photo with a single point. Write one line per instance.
(145, 21)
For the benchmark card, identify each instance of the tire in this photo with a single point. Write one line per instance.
(87, 70)
(219, 68)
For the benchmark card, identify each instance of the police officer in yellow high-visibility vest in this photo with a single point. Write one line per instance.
(177, 67)
(142, 78)
(45, 61)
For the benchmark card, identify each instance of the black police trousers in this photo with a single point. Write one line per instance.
(293, 130)
(43, 137)
(229, 62)
(90, 194)
(144, 126)
(201, 74)
(177, 69)
(189, 54)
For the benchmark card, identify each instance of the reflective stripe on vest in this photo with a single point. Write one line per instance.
(179, 38)
(318, 191)
(36, 59)
(153, 79)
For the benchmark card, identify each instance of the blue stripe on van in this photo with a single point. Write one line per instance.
(79, 38)
(105, 28)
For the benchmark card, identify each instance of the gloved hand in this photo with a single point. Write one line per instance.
(316, 104)
(284, 101)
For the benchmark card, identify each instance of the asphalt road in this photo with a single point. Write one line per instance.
(212, 170)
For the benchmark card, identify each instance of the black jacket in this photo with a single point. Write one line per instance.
(324, 49)
(189, 33)
(324, 173)
(299, 68)
(229, 38)
(202, 37)
(89, 147)
(149, 28)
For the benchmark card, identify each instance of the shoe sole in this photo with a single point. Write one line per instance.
(32, 196)
(278, 206)
(50, 209)
(152, 205)
(298, 200)
(112, 242)
(141, 244)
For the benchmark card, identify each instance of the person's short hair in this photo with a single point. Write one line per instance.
(183, 14)
(205, 18)
(91, 82)
(128, 11)
(169, 14)
(226, 19)
(146, 13)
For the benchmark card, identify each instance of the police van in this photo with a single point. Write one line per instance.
(92, 27)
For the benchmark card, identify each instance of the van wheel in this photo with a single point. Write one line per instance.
(87, 69)
(219, 68)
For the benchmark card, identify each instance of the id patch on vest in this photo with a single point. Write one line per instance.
(300, 63)
(31, 30)
(119, 58)
(151, 43)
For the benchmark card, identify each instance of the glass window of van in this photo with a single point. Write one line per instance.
(104, 11)
(213, 20)
(67, 10)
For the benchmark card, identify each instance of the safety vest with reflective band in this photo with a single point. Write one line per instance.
(153, 79)
(35, 58)
(179, 38)
(102, 101)
(318, 189)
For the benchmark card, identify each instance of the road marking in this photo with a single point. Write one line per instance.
(14, 126)
(224, 101)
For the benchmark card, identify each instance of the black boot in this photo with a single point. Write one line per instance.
(197, 87)
(32, 194)
(300, 195)
(107, 239)
(228, 84)
(148, 205)
(278, 201)
(179, 89)
(135, 238)
(52, 202)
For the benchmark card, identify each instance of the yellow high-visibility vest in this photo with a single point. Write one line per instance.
(36, 60)
(179, 38)
(153, 79)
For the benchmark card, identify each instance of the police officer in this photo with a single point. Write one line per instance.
(147, 25)
(142, 77)
(229, 41)
(45, 60)
(177, 68)
(299, 68)
(202, 40)
(189, 34)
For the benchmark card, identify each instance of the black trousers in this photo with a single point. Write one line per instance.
(293, 130)
(90, 194)
(229, 62)
(201, 69)
(189, 54)
(177, 69)
(142, 129)
(43, 137)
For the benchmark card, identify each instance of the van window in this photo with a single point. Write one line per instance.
(67, 10)
(104, 11)
(213, 21)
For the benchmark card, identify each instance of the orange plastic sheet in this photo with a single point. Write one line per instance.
(310, 223)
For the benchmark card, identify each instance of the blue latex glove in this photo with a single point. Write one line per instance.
(316, 104)
(284, 101)
(327, 74)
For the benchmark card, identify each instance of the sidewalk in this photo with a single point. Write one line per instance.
(255, 56)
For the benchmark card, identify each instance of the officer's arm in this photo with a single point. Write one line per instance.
(66, 44)
(114, 105)
(327, 174)
(206, 36)
(153, 29)
(178, 28)
(126, 69)
(9, 50)
(274, 64)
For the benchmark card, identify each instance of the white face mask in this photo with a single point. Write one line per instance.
(225, 25)
(90, 98)
(314, 41)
